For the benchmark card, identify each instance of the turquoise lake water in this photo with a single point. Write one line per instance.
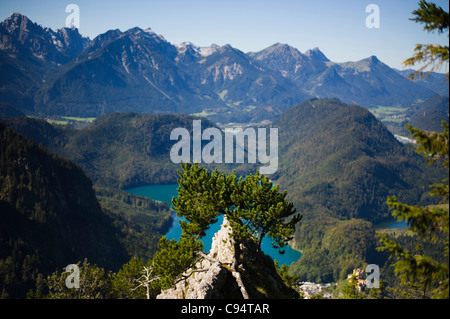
(391, 224)
(166, 192)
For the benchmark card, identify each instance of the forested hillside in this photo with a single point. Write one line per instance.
(339, 164)
(51, 217)
(119, 150)
(346, 161)
(430, 114)
(46, 203)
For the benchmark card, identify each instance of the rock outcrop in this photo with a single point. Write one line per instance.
(230, 270)
(211, 274)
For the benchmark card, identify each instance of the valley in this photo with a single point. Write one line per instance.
(370, 165)
(87, 169)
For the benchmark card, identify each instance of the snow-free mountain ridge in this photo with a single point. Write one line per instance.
(60, 72)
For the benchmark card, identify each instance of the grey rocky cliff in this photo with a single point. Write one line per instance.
(209, 276)
(230, 270)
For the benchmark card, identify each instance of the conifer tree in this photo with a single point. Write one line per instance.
(259, 210)
(429, 223)
(431, 55)
(351, 289)
(202, 197)
(173, 258)
(124, 282)
(253, 206)
(95, 283)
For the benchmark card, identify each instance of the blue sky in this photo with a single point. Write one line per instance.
(336, 27)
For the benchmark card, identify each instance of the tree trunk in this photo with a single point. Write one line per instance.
(235, 271)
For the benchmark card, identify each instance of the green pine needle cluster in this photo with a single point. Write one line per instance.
(254, 207)
(426, 276)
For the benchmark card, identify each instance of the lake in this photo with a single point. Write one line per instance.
(166, 192)
(391, 224)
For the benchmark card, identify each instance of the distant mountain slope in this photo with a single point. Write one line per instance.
(119, 150)
(433, 81)
(7, 111)
(130, 71)
(240, 82)
(59, 72)
(50, 216)
(341, 159)
(291, 63)
(430, 114)
(127, 149)
(19, 80)
(28, 52)
(368, 82)
(140, 71)
(20, 34)
(339, 164)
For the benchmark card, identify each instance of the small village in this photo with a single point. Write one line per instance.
(310, 289)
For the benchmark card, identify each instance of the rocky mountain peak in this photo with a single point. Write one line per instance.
(103, 39)
(19, 34)
(206, 51)
(16, 20)
(373, 59)
(20, 28)
(277, 51)
(187, 47)
(280, 47)
(316, 54)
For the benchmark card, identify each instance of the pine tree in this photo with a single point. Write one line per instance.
(351, 289)
(431, 223)
(253, 206)
(202, 197)
(173, 258)
(432, 55)
(259, 210)
(95, 283)
(124, 282)
(417, 271)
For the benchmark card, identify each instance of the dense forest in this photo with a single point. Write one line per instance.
(337, 162)
(346, 164)
(119, 150)
(51, 217)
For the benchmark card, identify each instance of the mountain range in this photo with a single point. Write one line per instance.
(60, 72)
(337, 160)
